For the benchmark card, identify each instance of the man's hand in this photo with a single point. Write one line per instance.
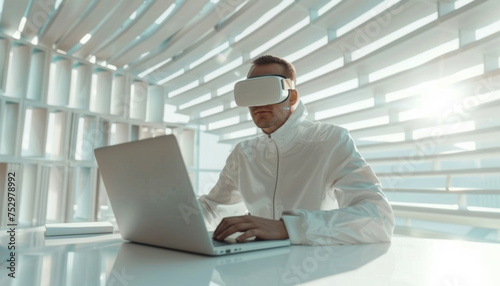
(261, 228)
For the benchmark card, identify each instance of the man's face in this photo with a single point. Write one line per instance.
(269, 117)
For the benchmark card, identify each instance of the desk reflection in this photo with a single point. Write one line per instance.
(99, 260)
(64, 260)
(109, 260)
(145, 265)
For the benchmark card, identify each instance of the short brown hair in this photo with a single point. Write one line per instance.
(269, 59)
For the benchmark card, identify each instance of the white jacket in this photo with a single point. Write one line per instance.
(310, 175)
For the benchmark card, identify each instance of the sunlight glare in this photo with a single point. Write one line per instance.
(438, 99)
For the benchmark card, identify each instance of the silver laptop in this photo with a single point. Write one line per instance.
(153, 200)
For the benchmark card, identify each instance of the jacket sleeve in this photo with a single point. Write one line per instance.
(225, 198)
(364, 214)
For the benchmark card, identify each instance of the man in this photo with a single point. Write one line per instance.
(300, 180)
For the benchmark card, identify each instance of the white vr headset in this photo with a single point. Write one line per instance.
(262, 90)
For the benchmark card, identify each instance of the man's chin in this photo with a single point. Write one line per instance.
(262, 124)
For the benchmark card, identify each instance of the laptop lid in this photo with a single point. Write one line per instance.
(151, 194)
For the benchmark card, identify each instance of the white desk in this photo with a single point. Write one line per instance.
(108, 260)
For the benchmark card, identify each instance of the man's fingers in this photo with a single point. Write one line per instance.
(227, 223)
(223, 233)
(223, 225)
(260, 228)
(246, 235)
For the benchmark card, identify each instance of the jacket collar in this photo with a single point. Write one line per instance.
(285, 134)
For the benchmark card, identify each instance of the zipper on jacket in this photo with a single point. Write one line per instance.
(277, 171)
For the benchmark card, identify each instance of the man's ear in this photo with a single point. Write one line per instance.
(294, 97)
